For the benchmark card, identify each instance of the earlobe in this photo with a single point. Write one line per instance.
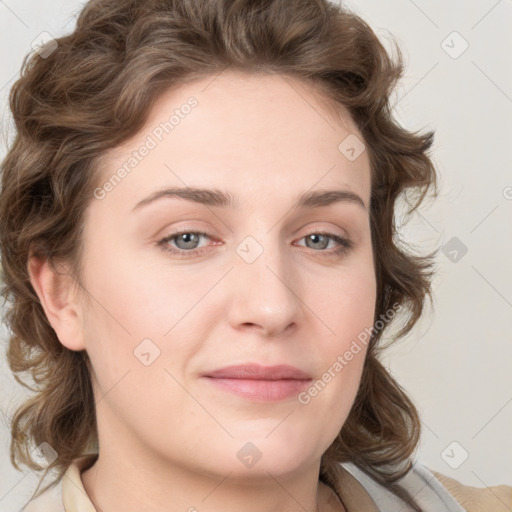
(55, 289)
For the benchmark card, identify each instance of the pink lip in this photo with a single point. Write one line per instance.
(262, 383)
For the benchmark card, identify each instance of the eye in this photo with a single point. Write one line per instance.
(321, 240)
(187, 242)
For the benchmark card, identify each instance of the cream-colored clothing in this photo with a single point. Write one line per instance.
(433, 491)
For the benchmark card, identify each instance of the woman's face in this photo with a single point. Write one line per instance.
(269, 283)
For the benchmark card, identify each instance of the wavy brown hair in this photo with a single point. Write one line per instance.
(95, 91)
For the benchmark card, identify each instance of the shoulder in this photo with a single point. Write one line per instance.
(434, 492)
(49, 500)
(475, 499)
(66, 493)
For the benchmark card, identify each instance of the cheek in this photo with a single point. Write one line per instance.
(136, 311)
(347, 312)
(345, 303)
(133, 298)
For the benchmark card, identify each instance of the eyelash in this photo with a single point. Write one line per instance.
(345, 244)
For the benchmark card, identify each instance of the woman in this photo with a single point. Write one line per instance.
(175, 165)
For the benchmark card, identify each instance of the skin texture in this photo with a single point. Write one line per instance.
(168, 438)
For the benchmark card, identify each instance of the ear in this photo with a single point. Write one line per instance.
(56, 290)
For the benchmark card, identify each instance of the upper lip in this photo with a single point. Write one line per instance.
(259, 372)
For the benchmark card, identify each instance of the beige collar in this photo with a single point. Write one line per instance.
(353, 495)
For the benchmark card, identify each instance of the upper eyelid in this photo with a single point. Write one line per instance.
(311, 231)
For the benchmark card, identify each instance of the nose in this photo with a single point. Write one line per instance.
(265, 294)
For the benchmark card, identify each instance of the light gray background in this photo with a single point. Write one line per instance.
(456, 365)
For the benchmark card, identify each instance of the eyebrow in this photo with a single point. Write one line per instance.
(223, 199)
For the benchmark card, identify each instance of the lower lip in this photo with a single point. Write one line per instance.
(261, 390)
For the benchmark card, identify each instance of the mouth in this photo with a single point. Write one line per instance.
(260, 383)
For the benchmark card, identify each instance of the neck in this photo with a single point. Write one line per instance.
(134, 487)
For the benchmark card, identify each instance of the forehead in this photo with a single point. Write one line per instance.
(240, 131)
